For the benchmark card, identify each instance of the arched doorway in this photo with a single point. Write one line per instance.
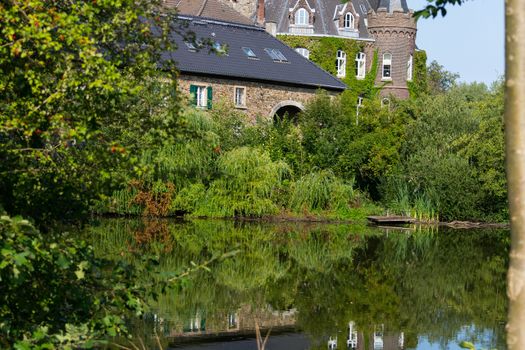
(286, 109)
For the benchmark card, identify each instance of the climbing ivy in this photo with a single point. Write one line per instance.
(323, 51)
(419, 84)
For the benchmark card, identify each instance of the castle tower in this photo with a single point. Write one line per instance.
(394, 29)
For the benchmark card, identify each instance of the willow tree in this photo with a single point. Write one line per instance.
(515, 155)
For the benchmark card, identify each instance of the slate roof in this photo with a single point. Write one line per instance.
(297, 71)
(392, 5)
(208, 8)
(277, 11)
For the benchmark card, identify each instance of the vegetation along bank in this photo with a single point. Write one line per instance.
(438, 156)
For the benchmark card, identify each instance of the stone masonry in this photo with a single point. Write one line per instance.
(390, 28)
(246, 7)
(394, 33)
(262, 99)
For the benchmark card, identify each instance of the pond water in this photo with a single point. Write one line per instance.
(317, 286)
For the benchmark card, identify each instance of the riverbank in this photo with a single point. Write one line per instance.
(317, 218)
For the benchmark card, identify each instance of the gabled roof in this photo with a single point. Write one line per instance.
(208, 8)
(296, 70)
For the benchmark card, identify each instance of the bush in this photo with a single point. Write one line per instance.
(320, 191)
(246, 186)
(54, 293)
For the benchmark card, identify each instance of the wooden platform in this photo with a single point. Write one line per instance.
(391, 220)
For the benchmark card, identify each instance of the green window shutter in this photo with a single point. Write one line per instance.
(193, 95)
(210, 97)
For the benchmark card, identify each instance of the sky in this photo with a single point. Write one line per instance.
(468, 41)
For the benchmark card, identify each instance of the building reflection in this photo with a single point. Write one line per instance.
(226, 326)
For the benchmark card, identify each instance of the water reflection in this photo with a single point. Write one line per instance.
(319, 286)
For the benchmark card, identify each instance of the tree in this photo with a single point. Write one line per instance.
(80, 92)
(515, 151)
(439, 79)
(437, 7)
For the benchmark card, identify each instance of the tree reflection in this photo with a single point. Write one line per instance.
(328, 281)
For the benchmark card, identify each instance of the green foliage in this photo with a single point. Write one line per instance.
(323, 52)
(320, 191)
(439, 79)
(437, 7)
(453, 156)
(187, 158)
(81, 92)
(55, 294)
(419, 84)
(248, 183)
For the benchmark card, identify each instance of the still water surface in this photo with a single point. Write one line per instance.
(318, 286)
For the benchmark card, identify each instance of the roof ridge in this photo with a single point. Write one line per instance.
(220, 22)
(202, 7)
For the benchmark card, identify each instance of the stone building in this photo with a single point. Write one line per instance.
(383, 26)
(243, 65)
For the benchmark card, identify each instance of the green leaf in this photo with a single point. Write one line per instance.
(467, 345)
(80, 274)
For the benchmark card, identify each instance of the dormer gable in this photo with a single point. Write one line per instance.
(301, 17)
(346, 20)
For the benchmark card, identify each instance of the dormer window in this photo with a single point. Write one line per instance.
(349, 21)
(301, 17)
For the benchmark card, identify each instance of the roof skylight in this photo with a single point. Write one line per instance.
(249, 52)
(276, 55)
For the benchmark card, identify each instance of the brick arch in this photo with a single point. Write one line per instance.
(286, 104)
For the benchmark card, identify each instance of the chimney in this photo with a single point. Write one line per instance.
(261, 12)
(271, 27)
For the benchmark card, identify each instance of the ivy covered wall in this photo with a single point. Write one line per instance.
(323, 51)
(419, 84)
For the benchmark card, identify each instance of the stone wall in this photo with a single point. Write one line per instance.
(394, 33)
(261, 98)
(246, 7)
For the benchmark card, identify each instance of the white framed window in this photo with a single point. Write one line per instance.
(201, 96)
(410, 64)
(303, 52)
(387, 66)
(341, 64)
(360, 65)
(349, 21)
(239, 97)
(301, 17)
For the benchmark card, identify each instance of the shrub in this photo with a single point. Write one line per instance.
(54, 293)
(248, 180)
(320, 191)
